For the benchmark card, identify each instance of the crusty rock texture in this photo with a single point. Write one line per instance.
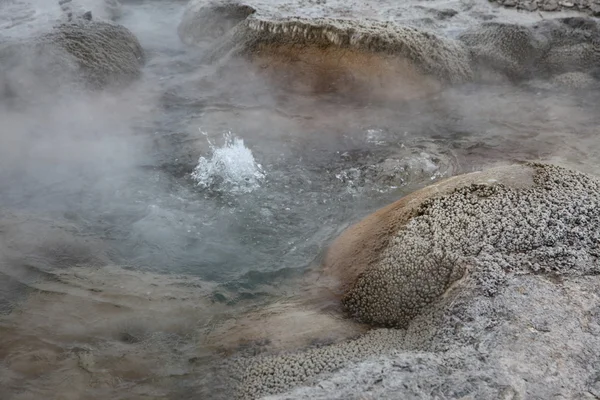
(529, 219)
(474, 267)
(81, 53)
(360, 57)
(541, 50)
(510, 49)
(108, 53)
(204, 20)
(588, 6)
(382, 59)
(575, 80)
(430, 54)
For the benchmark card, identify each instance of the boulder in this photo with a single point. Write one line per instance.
(510, 49)
(77, 54)
(488, 274)
(404, 257)
(364, 58)
(208, 20)
(540, 50)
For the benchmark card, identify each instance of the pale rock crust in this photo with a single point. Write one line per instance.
(108, 53)
(73, 55)
(366, 59)
(430, 54)
(360, 59)
(505, 232)
(541, 50)
(383, 61)
(208, 20)
(575, 80)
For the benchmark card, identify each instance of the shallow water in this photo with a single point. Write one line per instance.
(210, 191)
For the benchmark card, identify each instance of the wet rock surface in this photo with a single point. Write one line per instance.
(536, 338)
(517, 241)
(390, 60)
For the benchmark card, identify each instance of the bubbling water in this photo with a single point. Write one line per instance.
(231, 168)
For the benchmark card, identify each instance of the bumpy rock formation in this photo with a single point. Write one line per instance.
(575, 80)
(510, 49)
(330, 55)
(74, 54)
(383, 60)
(205, 20)
(360, 58)
(470, 267)
(588, 6)
(428, 53)
(107, 53)
(573, 45)
(407, 255)
(544, 49)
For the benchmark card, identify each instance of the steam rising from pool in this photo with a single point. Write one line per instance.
(117, 280)
(231, 167)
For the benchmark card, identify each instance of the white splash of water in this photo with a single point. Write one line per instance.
(231, 168)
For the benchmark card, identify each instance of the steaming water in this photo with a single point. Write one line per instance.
(127, 232)
(231, 168)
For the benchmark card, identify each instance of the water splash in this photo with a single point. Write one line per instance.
(231, 168)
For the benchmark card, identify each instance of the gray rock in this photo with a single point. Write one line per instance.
(433, 55)
(343, 50)
(531, 6)
(72, 56)
(518, 321)
(511, 49)
(587, 6)
(541, 50)
(551, 5)
(204, 20)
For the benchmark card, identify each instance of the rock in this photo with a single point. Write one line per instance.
(108, 53)
(570, 81)
(510, 49)
(203, 20)
(363, 59)
(531, 6)
(572, 45)
(575, 80)
(487, 272)
(544, 49)
(382, 287)
(358, 59)
(551, 5)
(446, 13)
(90, 54)
(587, 6)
